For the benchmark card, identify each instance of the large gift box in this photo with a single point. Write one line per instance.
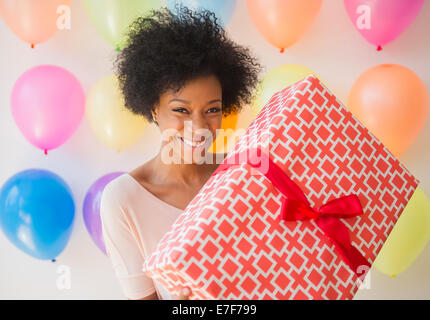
(299, 208)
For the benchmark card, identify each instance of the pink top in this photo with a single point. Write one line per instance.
(133, 222)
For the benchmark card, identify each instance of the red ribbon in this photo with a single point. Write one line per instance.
(295, 206)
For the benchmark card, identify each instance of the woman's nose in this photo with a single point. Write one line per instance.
(197, 126)
(199, 122)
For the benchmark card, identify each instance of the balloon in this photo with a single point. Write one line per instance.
(283, 22)
(392, 102)
(222, 142)
(223, 9)
(113, 17)
(408, 237)
(117, 127)
(382, 21)
(48, 104)
(31, 20)
(276, 80)
(91, 209)
(37, 212)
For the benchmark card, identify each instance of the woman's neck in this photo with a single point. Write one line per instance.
(186, 174)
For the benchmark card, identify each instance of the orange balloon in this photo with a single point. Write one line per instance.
(33, 21)
(283, 22)
(392, 102)
(223, 142)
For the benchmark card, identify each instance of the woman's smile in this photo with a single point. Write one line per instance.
(194, 144)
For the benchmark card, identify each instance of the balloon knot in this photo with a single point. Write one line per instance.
(53, 260)
(46, 152)
(379, 48)
(32, 46)
(393, 276)
(282, 50)
(118, 48)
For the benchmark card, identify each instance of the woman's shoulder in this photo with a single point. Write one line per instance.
(117, 192)
(116, 185)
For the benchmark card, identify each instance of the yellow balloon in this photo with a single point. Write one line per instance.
(112, 123)
(222, 143)
(112, 18)
(408, 237)
(276, 80)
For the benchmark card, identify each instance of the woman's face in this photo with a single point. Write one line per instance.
(189, 118)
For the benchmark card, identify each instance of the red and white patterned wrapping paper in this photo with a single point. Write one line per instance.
(229, 244)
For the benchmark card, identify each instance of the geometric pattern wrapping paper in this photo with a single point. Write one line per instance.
(229, 242)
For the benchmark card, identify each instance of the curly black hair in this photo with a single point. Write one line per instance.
(164, 50)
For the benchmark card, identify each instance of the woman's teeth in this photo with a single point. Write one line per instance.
(193, 144)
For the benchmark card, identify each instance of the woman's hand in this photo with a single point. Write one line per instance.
(184, 294)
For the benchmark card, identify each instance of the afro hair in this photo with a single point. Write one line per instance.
(164, 50)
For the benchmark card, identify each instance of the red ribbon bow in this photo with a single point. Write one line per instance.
(295, 206)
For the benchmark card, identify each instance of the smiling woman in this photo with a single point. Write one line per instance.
(183, 73)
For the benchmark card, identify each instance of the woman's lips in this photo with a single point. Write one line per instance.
(192, 144)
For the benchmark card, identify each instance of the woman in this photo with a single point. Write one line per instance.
(181, 72)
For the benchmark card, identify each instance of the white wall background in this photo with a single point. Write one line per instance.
(332, 48)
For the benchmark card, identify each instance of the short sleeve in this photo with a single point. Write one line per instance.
(122, 248)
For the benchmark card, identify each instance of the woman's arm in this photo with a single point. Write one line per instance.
(185, 293)
(153, 296)
(121, 246)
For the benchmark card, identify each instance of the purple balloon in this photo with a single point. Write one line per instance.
(91, 209)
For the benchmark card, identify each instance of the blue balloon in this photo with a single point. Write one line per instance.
(37, 212)
(223, 9)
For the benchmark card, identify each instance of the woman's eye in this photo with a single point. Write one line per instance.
(214, 110)
(181, 110)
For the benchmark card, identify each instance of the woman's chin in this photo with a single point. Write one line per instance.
(195, 157)
(191, 154)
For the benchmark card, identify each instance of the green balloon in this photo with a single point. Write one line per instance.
(113, 17)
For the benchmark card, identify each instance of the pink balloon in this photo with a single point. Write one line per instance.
(381, 21)
(48, 104)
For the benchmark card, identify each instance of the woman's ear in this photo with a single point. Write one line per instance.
(154, 116)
